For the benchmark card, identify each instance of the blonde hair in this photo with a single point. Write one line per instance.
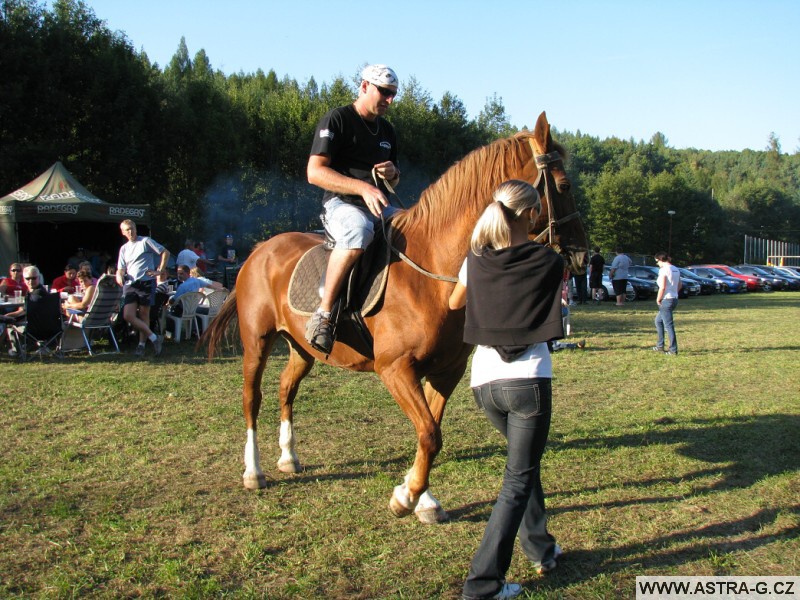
(511, 199)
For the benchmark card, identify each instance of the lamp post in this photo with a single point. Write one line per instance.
(671, 213)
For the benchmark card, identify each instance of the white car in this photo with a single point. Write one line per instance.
(608, 290)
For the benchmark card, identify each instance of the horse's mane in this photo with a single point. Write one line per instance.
(466, 187)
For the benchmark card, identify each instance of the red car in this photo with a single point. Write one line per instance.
(753, 283)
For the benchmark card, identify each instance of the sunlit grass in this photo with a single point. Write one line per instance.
(122, 478)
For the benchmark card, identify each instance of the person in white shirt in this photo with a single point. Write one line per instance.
(669, 287)
(619, 275)
(187, 256)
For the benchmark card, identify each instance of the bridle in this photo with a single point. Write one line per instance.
(543, 162)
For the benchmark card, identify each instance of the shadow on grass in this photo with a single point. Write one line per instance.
(747, 449)
(692, 545)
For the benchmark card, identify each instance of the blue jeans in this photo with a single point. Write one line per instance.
(664, 323)
(520, 410)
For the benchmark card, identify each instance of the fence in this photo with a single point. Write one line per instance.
(760, 251)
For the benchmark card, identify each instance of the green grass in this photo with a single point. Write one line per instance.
(122, 478)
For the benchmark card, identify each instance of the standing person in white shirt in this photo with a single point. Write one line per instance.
(136, 273)
(669, 286)
(619, 275)
(187, 256)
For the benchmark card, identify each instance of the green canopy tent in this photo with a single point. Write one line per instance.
(47, 220)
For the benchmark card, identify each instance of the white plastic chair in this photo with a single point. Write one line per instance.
(213, 302)
(189, 303)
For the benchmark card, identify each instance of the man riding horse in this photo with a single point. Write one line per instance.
(353, 154)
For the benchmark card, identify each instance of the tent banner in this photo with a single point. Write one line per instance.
(73, 211)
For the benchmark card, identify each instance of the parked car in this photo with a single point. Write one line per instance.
(607, 291)
(707, 286)
(792, 280)
(792, 268)
(793, 273)
(688, 287)
(777, 283)
(753, 282)
(728, 284)
(644, 288)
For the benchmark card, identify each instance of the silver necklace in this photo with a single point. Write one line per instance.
(377, 125)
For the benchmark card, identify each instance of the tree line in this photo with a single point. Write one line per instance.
(213, 152)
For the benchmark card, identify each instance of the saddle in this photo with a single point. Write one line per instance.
(362, 293)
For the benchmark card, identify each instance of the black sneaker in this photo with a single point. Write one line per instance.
(319, 332)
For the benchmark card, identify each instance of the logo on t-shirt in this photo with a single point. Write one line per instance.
(326, 133)
(386, 145)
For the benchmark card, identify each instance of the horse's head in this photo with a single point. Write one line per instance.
(560, 222)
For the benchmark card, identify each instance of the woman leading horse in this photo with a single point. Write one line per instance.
(415, 335)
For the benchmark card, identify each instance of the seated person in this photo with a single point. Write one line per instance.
(189, 281)
(14, 281)
(75, 304)
(557, 345)
(37, 290)
(67, 282)
(87, 266)
(203, 262)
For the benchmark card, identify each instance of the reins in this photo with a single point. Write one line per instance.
(387, 236)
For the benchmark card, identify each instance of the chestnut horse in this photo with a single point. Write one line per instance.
(415, 335)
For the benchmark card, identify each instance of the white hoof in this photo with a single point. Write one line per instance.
(289, 466)
(401, 504)
(431, 516)
(254, 481)
(429, 510)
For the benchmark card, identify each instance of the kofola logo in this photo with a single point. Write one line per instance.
(123, 211)
(68, 209)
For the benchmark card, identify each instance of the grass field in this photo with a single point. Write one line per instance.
(122, 478)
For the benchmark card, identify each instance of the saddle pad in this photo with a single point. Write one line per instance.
(369, 278)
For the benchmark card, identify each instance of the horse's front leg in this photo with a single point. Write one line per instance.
(438, 389)
(401, 380)
(298, 366)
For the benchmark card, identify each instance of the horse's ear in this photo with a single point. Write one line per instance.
(541, 132)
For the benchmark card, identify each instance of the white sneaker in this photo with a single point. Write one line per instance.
(551, 564)
(509, 590)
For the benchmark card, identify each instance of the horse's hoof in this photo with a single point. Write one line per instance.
(398, 509)
(254, 482)
(430, 516)
(289, 466)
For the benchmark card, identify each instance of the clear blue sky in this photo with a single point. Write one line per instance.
(709, 74)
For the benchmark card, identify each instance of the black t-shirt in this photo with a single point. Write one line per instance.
(354, 145)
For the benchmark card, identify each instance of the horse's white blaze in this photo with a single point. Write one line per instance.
(252, 461)
(286, 442)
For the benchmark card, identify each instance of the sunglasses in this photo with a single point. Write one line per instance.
(16, 270)
(31, 278)
(386, 92)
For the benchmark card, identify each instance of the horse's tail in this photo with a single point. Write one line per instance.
(219, 325)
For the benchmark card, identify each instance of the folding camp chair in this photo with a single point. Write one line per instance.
(209, 307)
(41, 332)
(100, 315)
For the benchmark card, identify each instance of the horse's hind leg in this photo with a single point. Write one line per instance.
(300, 363)
(256, 351)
